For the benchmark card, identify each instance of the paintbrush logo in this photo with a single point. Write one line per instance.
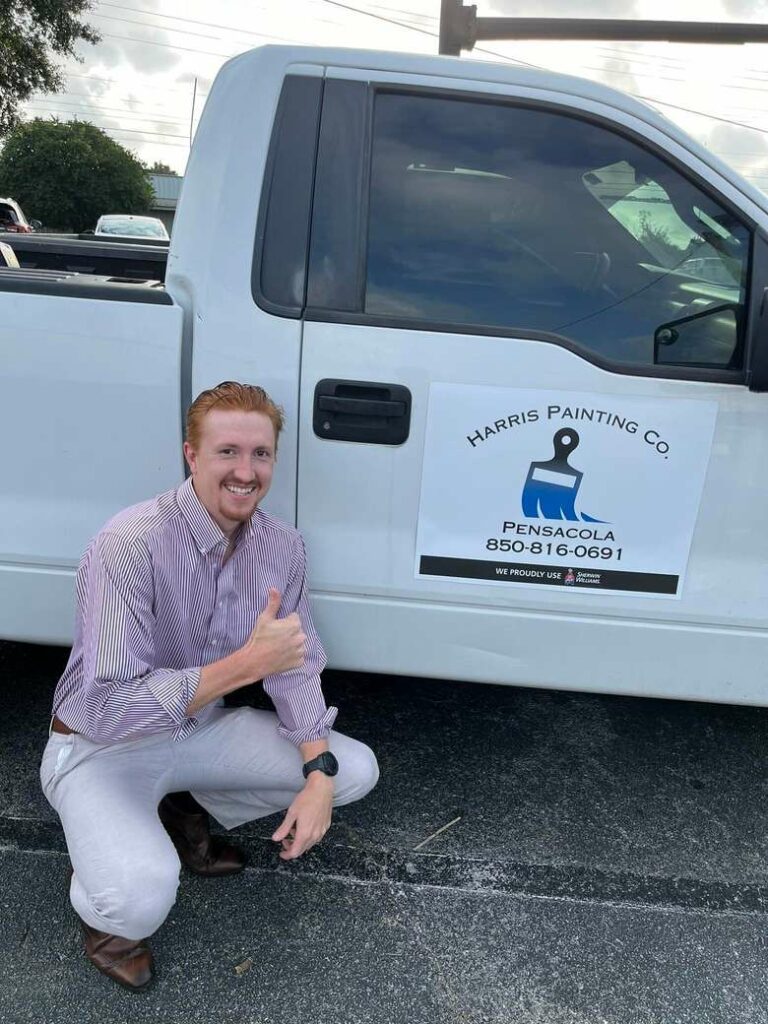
(551, 488)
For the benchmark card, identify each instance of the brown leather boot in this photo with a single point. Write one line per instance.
(126, 961)
(186, 822)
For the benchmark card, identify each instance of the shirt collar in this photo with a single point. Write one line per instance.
(205, 532)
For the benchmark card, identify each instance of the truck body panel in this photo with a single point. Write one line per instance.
(515, 321)
(90, 399)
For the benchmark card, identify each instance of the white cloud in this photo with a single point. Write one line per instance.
(146, 86)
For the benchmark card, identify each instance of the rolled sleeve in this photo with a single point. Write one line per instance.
(124, 693)
(174, 689)
(311, 728)
(297, 695)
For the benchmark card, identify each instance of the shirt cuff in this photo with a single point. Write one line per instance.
(309, 733)
(174, 689)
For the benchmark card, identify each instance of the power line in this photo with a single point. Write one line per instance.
(126, 99)
(109, 130)
(188, 49)
(673, 63)
(622, 54)
(148, 142)
(182, 31)
(168, 46)
(663, 78)
(412, 28)
(629, 74)
(261, 35)
(380, 17)
(131, 131)
(257, 37)
(644, 55)
(423, 31)
(146, 24)
(673, 106)
(189, 21)
(397, 10)
(679, 64)
(108, 112)
(688, 110)
(752, 109)
(138, 131)
(111, 81)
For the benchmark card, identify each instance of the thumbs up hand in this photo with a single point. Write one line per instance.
(276, 645)
(273, 607)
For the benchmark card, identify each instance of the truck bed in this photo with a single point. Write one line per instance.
(73, 285)
(134, 261)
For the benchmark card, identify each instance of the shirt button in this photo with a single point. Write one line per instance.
(213, 643)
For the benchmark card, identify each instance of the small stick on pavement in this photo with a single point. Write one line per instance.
(246, 965)
(424, 842)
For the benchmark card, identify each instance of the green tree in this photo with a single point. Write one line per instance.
(158, 167)
(32, 33)
(67, 174)
(658, 240)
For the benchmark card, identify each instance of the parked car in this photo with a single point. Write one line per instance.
(126, 225)
(12, 218)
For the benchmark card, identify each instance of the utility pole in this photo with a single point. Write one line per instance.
(192, 115)
(461, 29)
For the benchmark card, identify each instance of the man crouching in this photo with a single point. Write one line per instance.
(181, 600)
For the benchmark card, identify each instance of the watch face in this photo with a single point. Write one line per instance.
(329, 763)
(325, 763)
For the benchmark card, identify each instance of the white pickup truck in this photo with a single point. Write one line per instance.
(517, 322)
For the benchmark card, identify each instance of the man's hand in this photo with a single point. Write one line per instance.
(276, 645)
(308, 818)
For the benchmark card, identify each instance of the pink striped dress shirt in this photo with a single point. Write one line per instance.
(156, 603)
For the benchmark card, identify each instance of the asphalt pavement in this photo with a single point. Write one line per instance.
(605, 861)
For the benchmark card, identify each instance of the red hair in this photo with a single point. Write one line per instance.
(230, 395)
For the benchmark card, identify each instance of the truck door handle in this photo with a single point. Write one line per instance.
(363, 411)
(361, 406)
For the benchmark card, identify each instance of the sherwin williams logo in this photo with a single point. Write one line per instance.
(551, 488)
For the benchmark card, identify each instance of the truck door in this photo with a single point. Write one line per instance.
(528, 451)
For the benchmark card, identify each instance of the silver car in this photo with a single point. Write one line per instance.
(128, 225)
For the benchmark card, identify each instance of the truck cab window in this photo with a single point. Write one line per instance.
(495, 215)
(710, 246)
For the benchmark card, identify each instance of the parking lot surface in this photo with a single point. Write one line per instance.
(605, 862)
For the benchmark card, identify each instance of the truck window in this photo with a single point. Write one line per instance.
(527, 219)
(644, 209)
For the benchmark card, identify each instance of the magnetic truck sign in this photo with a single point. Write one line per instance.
(561, 489)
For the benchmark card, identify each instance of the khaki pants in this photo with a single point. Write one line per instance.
(126, 870)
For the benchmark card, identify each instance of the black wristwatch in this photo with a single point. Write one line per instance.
(325, 763)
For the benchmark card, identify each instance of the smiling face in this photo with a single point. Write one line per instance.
(232, 464)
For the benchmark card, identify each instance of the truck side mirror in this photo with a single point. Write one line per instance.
(35, 224)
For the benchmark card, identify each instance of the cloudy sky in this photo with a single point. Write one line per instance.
(157, 56)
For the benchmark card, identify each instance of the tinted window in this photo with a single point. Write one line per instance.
(8, 214)
(279, 272)
(515, 218)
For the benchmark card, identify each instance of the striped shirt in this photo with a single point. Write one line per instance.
(156, 602)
